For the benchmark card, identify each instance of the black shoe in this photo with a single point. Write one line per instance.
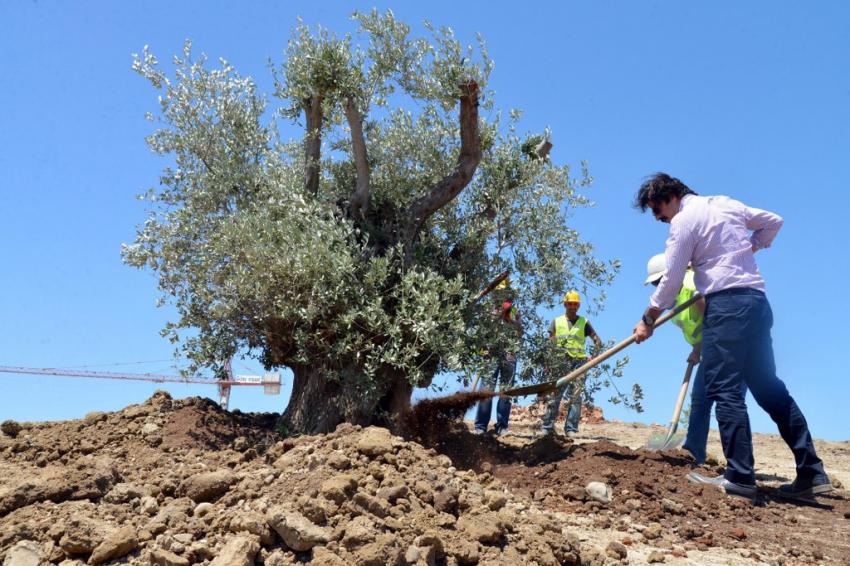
(729, 487)
(805, 489)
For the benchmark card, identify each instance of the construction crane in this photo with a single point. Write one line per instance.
(269, 381)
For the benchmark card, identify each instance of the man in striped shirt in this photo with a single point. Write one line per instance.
(719, 236)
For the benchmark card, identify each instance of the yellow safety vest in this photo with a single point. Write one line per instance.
(689, 320)
(571, 336)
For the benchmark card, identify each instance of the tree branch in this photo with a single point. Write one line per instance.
(452, 184)
(359, 203)
(313, 143)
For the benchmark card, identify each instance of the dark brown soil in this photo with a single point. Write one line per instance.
(201, 424)
(650, 487)
(431, 419)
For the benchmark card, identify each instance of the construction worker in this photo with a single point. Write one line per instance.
(690, 323)
(569, 331)
(719, 236)
(503, 363)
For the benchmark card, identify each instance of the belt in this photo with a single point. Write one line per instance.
(735, 291)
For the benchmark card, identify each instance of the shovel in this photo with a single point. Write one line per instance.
(483, 293)
(549, 386)
(670, 441)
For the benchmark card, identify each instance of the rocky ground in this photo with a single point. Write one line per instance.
(174, 482)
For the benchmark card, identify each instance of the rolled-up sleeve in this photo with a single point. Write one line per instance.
(678, 252)
(765, 225)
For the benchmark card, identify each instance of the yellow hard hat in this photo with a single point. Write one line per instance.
(572, 297)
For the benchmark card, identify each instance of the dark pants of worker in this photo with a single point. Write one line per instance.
(504, 376)
(737, 347)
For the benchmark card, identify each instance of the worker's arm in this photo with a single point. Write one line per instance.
(699, 306)
(597, 342)
(696, 352)
(678, 252)
(517, 323)
(765, 225)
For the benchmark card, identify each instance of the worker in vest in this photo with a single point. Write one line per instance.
(569, 331)
(503, 361)
(690, 322)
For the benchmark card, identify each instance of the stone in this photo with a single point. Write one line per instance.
(359, 531)
(202, 509)
(60, 484)
(672, 507)
(148, 506)
(117, 544)
(253, 523)
(423, 490)
(599, 491)
(495, 499)
(162, 557)
(338, 460)
(207, 486)
(24, 553)
(446, 500)
(375, 441)
(430, 539)
(338, 488)
(298, 532)
(379, 553)
(616, 550)
(82, 535)
(411, 555)
(464, 551)
(149, 428)
(393, 493)
(652, 531)
(238, 551)
(485, 528)
(123, 492)
(324, 557)
(655, 556)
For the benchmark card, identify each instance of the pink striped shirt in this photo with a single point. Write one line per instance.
(716, 235)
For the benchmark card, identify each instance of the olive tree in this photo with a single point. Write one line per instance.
(352, 255)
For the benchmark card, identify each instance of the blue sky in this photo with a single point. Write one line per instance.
(746, 99)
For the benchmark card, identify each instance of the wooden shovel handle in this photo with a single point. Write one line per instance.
(492, 285)
(624, 344)
(576, 373)
(677, 411)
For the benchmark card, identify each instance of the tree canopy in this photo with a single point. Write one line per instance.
(353, 254)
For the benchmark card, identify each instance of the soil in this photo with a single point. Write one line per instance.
(430, 419)
(184, 482)
(653, 502)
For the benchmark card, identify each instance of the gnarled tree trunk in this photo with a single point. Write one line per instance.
(318, 404)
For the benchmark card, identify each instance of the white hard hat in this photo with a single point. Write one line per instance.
(656, 267)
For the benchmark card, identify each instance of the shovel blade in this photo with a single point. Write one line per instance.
(669, 441)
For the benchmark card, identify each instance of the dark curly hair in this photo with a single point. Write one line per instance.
(659, 188)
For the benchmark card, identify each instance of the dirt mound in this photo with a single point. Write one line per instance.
(651, 501)
(533, 414)
(183, 482)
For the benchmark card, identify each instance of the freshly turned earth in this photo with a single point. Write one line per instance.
(182, 482)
